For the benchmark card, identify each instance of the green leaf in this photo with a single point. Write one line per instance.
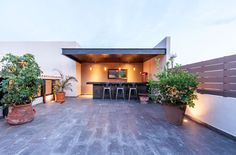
(64, 83)
(174, 85)
(20, 78)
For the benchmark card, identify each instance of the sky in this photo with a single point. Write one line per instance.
(199, 29)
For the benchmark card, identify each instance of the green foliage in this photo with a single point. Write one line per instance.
(20, 79)
(64, 83)
(153, 91)
(176, 86)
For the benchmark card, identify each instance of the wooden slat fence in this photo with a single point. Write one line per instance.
(216, 76)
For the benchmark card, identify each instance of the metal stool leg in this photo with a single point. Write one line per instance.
(110, 93)
(123, 91)
(129, 94)
(116, 93)
(103, 94)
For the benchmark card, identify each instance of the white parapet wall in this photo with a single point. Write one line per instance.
(217, 111)
(37, 100)
(48, 55)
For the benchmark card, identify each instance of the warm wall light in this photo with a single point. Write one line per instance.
(134, 68)
(119, 68)
(105, 69)
(90, 68)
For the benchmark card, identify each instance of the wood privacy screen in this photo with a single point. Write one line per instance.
(216, 76)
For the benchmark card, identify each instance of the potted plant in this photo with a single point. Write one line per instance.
(177, 89)
(61, 85)
(19, 86)
(144, 98)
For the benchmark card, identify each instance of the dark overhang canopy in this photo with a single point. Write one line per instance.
(112, 54)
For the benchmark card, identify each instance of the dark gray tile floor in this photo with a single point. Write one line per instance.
(86, 126)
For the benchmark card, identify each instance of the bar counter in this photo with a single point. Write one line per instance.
(98, 88)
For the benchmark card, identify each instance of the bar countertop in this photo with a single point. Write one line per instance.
(102, 83)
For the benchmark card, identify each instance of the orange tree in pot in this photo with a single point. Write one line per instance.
(177, 89)
(19, 85)
(64, 83)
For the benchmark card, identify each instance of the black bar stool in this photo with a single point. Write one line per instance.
(134, 89)
(121, 88)
(106, 88)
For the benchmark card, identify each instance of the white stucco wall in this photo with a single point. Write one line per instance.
(150, 66)
(217, 111)
(165, 43)
(48, 55)
(78, 77)
(37, 100)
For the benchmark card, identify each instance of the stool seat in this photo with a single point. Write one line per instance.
(107, 88)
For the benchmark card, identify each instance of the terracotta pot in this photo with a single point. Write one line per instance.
(60, 97)
(144, 99)
(175, 114)
(20, 114)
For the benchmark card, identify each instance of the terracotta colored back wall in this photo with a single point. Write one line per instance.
(150, 66)
(98, 74)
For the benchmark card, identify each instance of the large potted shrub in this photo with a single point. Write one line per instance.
(64, 83)
(177, 88)
(19, 86)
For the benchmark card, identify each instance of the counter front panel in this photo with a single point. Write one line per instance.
(98, 88)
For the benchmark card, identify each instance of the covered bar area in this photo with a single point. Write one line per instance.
(116, 73)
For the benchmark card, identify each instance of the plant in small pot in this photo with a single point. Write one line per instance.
(178, 90)
(19, 86)
(64, 83)
(144, 98)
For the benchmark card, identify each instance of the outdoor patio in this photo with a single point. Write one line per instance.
(86, 126)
